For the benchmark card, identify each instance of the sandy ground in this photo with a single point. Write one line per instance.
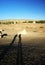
(35, 33)
(33, 44)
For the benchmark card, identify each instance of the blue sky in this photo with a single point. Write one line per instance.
(22, 9)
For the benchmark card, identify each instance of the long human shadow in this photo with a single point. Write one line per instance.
(7, 48)
(19, 60)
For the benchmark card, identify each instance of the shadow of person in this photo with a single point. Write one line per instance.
(19, 60)
(19, 42)
(7, 48)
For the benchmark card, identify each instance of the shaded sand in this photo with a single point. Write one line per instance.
(32, 38)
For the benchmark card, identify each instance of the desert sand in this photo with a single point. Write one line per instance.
(30, 33)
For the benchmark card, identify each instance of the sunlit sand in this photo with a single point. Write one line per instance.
(23, 32)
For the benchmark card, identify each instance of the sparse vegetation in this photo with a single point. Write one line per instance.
(16, 22)
(41, 21)
(24, 22)
(30, 21)
(33, 48)
(9, 22)
(41, 27)
(0, 22)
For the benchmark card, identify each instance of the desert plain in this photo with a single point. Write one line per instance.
(32, 39)
(35, 33)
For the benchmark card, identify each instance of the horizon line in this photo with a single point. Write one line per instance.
(21, 19)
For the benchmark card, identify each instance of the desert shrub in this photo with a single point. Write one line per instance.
(24, 22)
(36, 21)
(3, 22)
(41, 27)
(16, 22)
(0, 22)
(12, 22)
(30, 21)
(41, 21)
(9, 22)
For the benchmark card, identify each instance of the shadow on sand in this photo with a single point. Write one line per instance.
(19, 60)
(7, 48)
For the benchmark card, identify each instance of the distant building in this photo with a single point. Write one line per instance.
(34, 22)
